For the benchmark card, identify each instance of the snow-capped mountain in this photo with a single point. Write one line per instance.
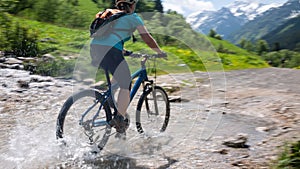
(245, 8)
(228, 19)
(264, 24)
(222, 21)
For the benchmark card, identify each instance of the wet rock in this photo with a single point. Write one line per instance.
(240, 164)
(178, 99)
(88, 81)
(238, 141)
(262, 129)
(170, 88)
(18, 90)
(27, 59)
(2, 59)
(13, 66)
(12, 61)
(284, 110)
(175, 99)
(222, 151)
(23, 83)
(221, 90)
(4, 66)
(68, 57)
(39, 79)
(48, 57)
(41, 84)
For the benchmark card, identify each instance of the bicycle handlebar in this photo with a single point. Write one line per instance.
(139, 55)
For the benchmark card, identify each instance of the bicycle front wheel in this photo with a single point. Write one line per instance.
(75, 123)
(153, 111)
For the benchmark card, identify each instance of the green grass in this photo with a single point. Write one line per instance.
(237, 58)
(64, 41)
(90, 8)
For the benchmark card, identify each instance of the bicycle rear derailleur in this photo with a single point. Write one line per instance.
(88, 131)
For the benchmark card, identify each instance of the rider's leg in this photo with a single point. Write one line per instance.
(122, 76)
(123, 101)
(116, 64)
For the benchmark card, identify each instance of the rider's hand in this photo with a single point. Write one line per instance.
(127, 52)
(162, 55)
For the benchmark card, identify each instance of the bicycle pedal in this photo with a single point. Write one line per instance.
(94, 150)
(120, 136)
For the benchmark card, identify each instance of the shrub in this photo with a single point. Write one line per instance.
(23, 43)
(290, 158)
(283, 58)
(17, 39)
(55, 68)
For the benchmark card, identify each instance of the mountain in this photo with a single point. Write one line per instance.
(222, 21)
(267, 22)
(286, 35)
(228, 19)
(249, 10)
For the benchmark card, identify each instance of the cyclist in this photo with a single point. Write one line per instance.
(109, 50)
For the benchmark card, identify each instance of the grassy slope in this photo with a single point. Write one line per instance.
(71, 41)
(240, 58)
(89, 8)
(65, 40)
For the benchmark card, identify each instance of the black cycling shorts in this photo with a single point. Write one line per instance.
(112, 59)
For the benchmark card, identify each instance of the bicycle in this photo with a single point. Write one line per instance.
(152, 111)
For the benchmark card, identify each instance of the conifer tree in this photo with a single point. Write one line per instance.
(158, 6)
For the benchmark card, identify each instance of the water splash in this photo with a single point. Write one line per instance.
(30, 147)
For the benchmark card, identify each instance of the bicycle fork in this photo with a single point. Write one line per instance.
(150, 111)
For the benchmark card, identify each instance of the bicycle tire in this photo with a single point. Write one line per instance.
(74, 107)
(150, 123)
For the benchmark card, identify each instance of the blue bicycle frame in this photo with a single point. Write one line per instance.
(141, 76)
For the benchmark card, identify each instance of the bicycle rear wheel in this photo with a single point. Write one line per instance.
(74, 122)
(151, 119)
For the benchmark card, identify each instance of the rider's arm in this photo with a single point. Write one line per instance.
(148, 39)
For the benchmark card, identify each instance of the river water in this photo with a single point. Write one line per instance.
(28, 120)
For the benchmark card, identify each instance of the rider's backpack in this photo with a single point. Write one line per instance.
(103, 24)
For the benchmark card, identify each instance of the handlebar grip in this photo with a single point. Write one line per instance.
(162, 55)
(127, 52)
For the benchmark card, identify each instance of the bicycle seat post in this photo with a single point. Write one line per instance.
(107, 78)
(110, 93)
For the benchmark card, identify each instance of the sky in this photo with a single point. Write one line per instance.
(187, 7)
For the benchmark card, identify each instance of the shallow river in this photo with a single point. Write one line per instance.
(27, 131)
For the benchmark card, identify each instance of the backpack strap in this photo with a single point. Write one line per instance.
(119, 37)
